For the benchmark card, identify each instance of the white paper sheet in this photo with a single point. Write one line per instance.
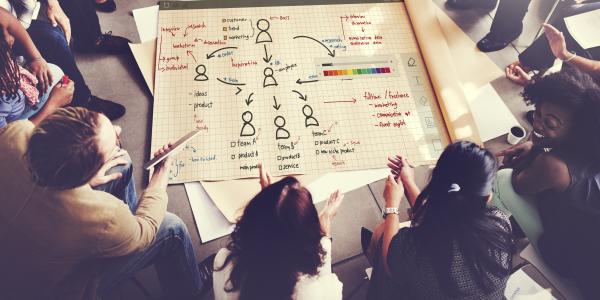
(564, 286)
(321, 188)
(144, 54)
(210, 221)
(521, 287)
(582, 28)
(491, 115)
(146, 21)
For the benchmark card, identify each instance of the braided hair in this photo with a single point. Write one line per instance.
(10, 77)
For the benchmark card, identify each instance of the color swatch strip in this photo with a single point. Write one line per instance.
(348, 72)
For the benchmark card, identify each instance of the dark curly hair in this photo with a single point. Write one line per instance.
(575, 91)
(276, 240)
(10, 78)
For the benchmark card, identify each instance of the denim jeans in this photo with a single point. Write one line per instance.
(85, 24)
(171, 252)
(52, 44)
(18, 110)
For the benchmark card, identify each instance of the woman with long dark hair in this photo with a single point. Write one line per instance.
(456, 247)
(280, 248)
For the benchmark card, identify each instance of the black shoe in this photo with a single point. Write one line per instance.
(529, 116)
(489, 44)
(365, 239)
(206, 268)
(468, 4)
(110, 44)
(516, 229)
(106, 6)
(111, 109)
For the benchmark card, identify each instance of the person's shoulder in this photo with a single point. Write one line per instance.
(554, 167)
(499, 217)
(16, 134)
(18, 127)
(318, 287)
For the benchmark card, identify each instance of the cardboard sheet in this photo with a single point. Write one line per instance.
(211, 223)
(320, 88)
(491, 115)
(146, 21)
(565, 286)
(476, 69)
(582, 28)
(522, 287)
(144, 55)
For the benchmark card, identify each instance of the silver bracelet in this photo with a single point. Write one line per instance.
(570, 58)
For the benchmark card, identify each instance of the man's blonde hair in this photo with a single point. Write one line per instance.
(63, 150)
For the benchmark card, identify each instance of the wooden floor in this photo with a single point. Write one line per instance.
(106, 74)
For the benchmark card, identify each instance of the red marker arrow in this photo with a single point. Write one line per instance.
(189, 52)
(341, 101)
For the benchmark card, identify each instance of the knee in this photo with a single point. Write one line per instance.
(56, 73)
(126, 169)
(174, 226)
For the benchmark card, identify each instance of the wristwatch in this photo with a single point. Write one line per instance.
(389, 210)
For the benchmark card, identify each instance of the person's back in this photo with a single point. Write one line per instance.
(280, 248)
(571, 221)
(413, 276)
(457, 247)
(51, 237)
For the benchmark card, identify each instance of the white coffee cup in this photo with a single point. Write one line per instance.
(516, 134)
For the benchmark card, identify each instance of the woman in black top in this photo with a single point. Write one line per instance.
(456, 247)
(553, 190)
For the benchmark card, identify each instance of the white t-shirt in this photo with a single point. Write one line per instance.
(21, 9)
(324, 285)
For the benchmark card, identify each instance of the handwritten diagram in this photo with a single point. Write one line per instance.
(306, 89)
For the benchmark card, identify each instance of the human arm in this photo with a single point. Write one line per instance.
(61, 95)
(264, 177)
(57, 17)
(37, 65)
(519, 156)
(558, 45)
(518, 74)
(329, 211)
(401, 168)
(392, 194)
(546, 172)
(128, 232)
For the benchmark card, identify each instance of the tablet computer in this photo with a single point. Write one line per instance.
(180, 143)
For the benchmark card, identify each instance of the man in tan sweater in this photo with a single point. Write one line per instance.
(64, 234)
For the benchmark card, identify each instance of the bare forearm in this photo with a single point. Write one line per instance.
(412, 191)
(47, 110)
(15, 28)
(589, 66)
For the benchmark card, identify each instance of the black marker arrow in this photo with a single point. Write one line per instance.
(209, 56)
(249, 100)
(331, 53)
(238, 90)
(230, 83)
(267, 57)
(276, 106)
(301, 82)
(303, 97)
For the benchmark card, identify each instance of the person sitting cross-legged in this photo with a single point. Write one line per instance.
(72, 228)
(551, 185)
(280, 248)
(457, 247)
